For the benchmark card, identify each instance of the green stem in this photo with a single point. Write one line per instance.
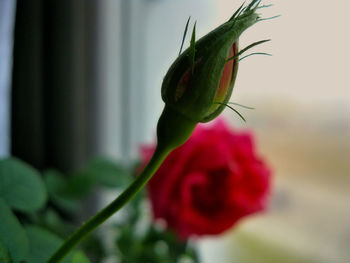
(172, 131)
(156, 160)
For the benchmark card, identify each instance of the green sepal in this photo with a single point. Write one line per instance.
(173, 129)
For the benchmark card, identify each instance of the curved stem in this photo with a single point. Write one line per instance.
(156, 160)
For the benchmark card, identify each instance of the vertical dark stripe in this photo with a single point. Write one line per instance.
(66, 93)
(54, 87)
(27, 109)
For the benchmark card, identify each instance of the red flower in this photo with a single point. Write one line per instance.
(206, 185)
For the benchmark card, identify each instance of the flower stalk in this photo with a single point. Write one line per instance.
(139, 182)
(196, 89)
(172, 131)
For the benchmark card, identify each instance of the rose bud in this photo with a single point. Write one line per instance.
(199, 83)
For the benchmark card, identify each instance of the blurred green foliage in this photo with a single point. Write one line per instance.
(38, 210)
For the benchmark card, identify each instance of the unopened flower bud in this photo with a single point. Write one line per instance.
(199, 91)
(199, 83)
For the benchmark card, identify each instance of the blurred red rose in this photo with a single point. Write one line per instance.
(205, 186)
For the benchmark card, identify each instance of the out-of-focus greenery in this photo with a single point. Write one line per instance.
(39, 210)
(138, 240)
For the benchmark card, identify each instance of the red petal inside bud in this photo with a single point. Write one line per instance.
(226, 80)
(227, 76)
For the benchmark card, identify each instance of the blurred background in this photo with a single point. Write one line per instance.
(82, 78)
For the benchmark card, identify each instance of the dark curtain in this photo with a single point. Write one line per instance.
(54, 93)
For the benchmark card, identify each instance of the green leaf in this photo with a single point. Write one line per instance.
(56, 187)
(79, 257)
(4, 254)
(77, 186)
(21, 186)
(12, 234)
(42, 244)
(107, 173)
(51, 221)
